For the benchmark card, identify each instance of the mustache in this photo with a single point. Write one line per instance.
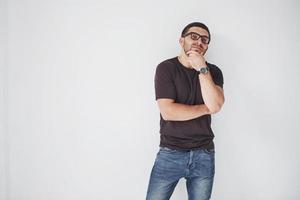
(197, 49)
(197, 46)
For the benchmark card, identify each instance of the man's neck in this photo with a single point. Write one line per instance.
(183, 60)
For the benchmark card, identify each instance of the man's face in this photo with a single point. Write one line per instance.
(192, 41)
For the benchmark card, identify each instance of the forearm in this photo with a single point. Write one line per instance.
(212, 95)
(183, 112)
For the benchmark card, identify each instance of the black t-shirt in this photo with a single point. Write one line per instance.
(174, 81)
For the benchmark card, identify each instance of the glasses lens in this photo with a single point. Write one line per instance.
(204, 40)
(194, 36)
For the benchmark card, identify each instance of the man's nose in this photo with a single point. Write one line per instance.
(199, 41)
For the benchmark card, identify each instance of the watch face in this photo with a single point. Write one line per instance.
(204, 70)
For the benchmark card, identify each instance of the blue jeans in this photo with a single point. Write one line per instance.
(196, 166)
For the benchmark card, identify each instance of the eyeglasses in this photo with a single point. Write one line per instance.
(195, 36)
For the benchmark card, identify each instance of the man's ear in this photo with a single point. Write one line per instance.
(181, 41)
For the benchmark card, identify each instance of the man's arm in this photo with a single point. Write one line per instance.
(171, 111)
(212, 94)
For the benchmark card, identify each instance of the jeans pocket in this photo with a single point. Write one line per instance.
(209, 151)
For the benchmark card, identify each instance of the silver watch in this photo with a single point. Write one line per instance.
(203, 70)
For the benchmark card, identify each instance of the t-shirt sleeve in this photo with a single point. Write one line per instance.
(217, 76)
(164, 82)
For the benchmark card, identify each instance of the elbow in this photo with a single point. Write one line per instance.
(166, 109)
(215, 108)
(166, 116)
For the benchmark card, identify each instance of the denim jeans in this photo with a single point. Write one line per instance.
(196, 166)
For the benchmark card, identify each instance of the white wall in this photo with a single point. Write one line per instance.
(3, 110)
(82, 121)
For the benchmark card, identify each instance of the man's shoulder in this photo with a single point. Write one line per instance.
(169, 64)
(213, 67)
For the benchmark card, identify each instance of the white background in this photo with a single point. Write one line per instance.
(78, 115)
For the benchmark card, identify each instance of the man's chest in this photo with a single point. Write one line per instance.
(188, 90)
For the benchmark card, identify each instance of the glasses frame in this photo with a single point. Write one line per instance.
(199, 36)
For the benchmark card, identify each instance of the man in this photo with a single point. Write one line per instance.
(188, 90)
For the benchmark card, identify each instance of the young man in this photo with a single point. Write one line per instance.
(188, 90)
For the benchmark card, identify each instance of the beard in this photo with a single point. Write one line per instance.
(194, 47)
